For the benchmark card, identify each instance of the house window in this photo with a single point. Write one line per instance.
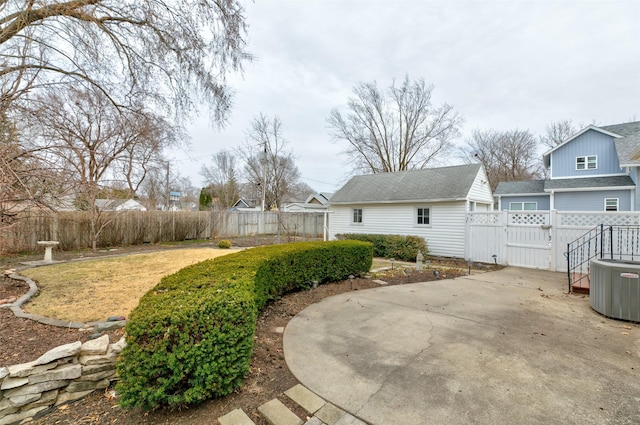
(422, 216)
(523, 206)
(357, 215)
(586, 162)
(611, 204)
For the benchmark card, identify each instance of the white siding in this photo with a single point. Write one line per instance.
(445, 235)
(480, 191)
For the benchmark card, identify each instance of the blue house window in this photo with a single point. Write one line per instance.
(422, 215)
(587, 162)
(357, 215)
(523, 206)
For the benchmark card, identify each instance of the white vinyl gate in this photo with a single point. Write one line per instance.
(534, 239)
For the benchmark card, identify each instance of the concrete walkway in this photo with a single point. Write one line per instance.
(495, 348)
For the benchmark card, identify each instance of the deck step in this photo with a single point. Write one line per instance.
(577, 289)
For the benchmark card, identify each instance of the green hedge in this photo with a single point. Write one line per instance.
(404, 248)
(191, 337)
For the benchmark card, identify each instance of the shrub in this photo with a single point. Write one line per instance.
(404, 248)
(190, 338)
(224, 244)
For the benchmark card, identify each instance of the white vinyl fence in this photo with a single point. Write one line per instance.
(534, 239)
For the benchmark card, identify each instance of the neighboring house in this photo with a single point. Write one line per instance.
(119, 205)
(594, 170)
(318, 202)
(244, 204)
(431, 203)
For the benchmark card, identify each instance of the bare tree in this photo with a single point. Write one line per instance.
(268, 163)
(127, 49)
(301, 191)
(394, 131)
(221, 177)
(25, 180)
(506, 155)
(153, 190)
(558, 132)
(97, 146)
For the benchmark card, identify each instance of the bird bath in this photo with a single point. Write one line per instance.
(48, 247)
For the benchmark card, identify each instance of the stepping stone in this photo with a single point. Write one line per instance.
(379, 282)
(330, 414)
(235, 417)
(314, 421)
(305, 398)
(277, 413)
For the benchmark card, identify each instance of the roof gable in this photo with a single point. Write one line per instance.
(321, 198)
(626, 140)
(428, 185)
(547, 155)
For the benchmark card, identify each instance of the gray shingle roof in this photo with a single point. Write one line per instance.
(628, 146)
(581, 183)
(539, 186)
(429, 184)
(520, 187)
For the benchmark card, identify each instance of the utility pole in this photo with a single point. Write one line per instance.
(168, 194)
(264, 174)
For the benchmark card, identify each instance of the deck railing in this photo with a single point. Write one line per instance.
(603, 241)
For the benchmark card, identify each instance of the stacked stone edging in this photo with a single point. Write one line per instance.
(63, 374)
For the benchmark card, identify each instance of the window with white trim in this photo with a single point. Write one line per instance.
(422, 216)
(356, 215)
(587, 162)
(611, 204)
(523, 206)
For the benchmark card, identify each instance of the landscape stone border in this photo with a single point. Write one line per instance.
(16, 309)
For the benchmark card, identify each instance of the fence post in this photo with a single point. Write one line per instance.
(304, 229)
(569, 266)
(505, 230)
(553, 235)
(467, 236)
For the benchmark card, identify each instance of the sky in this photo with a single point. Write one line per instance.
(503, 65)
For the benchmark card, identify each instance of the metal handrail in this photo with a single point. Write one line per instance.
(622, 242)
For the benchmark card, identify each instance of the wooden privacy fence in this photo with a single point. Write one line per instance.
(73, 229)
(284, 225)
(535, 239)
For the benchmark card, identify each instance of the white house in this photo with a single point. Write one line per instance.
(318, 202)
(119, 205)
(431, 203)
(244, 204)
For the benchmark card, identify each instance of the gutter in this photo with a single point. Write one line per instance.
(403, 201)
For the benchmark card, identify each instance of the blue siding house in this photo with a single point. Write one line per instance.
(597, 169)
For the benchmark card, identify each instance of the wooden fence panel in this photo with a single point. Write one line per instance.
(286, 225)
(73, 229)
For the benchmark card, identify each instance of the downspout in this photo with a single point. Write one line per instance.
(552, 201)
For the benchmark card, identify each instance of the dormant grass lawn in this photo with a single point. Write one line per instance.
(93, 290)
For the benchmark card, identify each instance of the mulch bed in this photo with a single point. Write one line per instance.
(24, 340)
